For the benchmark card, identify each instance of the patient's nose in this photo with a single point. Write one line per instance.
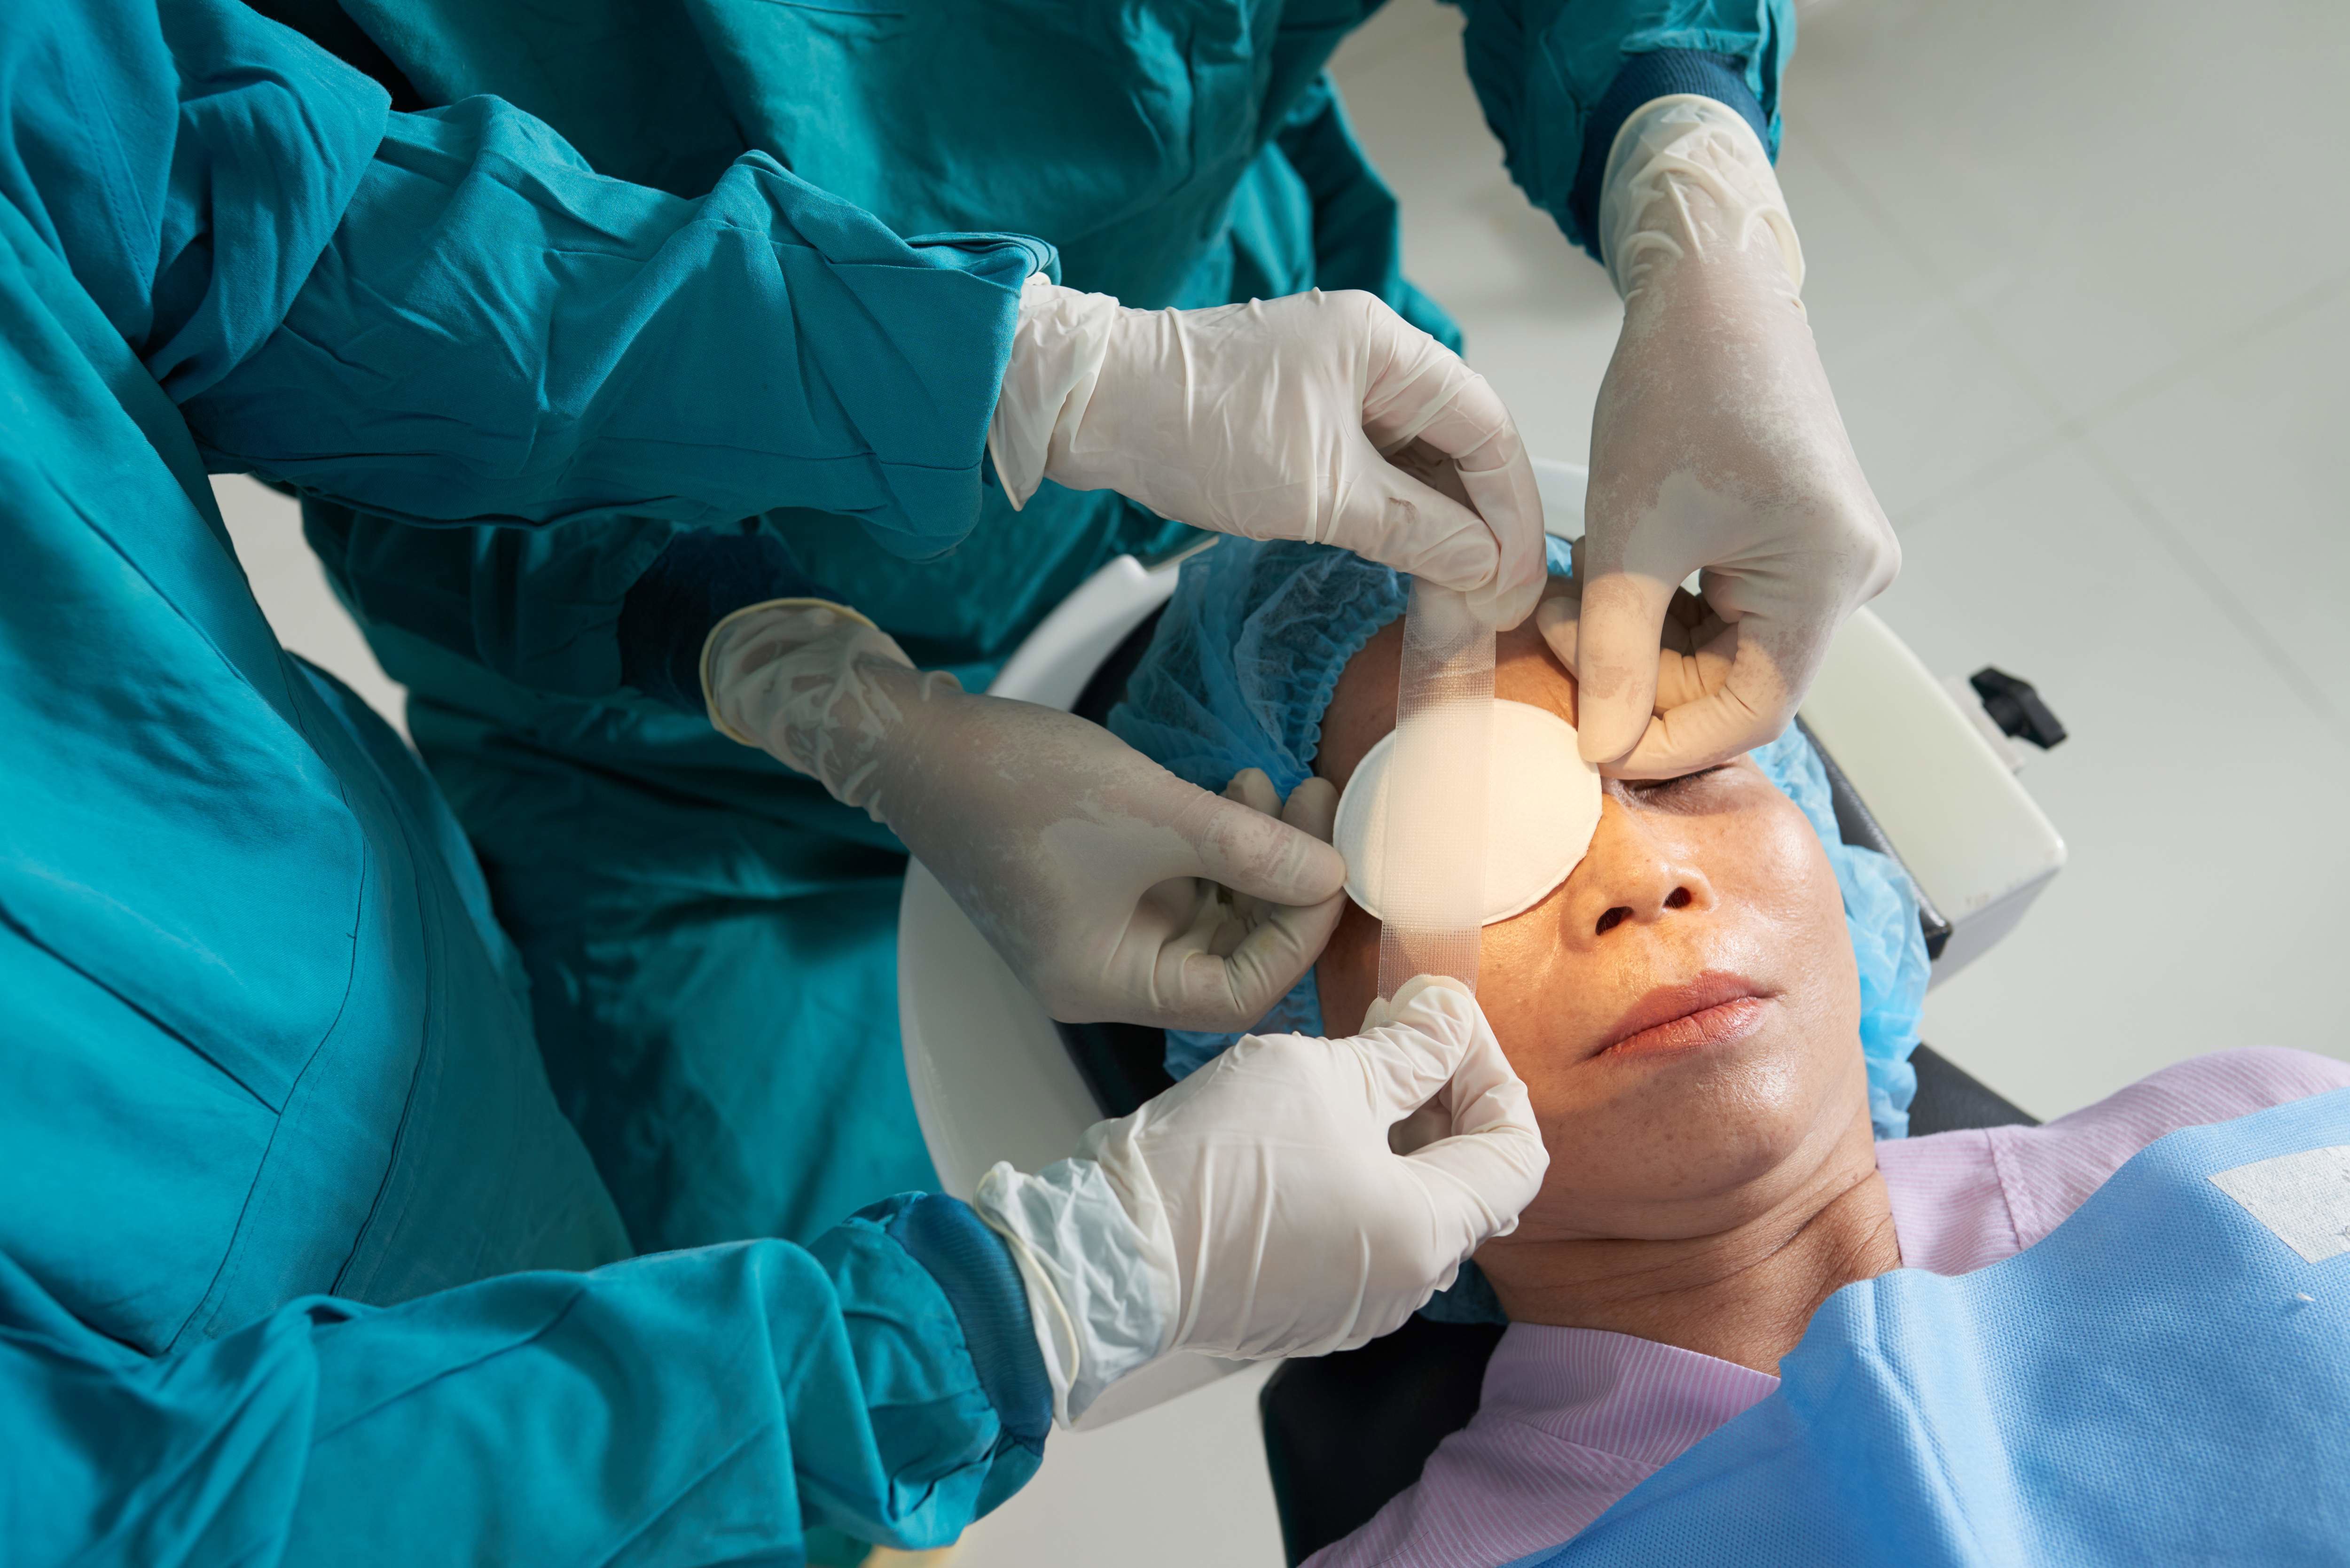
(1631, 875)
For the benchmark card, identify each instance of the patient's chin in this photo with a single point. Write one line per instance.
(1663, 1148)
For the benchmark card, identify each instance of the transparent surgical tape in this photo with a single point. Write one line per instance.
(1433, 884)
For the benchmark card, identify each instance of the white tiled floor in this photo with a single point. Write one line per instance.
(2081, 274)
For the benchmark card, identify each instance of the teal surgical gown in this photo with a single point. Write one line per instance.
(299, 1260)
(712, 941)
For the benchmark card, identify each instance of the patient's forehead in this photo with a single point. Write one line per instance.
(1362, 709)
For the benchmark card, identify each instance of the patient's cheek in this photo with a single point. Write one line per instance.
(1520, 968)
(1784, 878)
(1783, 871)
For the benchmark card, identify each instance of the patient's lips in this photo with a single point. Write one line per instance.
(1711, 1010)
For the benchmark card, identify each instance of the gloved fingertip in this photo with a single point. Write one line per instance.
(1434, 1004)
(1708, 731)
(1255, 853)
(1314, 872)
(1313, 808)
(1252, 788)
(1619, 628)
(1491, 1174)
(1506, 608)
(1398, 519)
(1658, 758)
(1275, 956)
(1608, 729)
(1326, 878)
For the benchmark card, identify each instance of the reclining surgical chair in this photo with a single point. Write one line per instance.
(1921, 769)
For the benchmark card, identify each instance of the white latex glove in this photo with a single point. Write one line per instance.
(1256, 1210)
(1275, 419)
(1716, 449)
(1114, 889)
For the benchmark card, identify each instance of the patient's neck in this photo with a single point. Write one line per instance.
(1744, 1293)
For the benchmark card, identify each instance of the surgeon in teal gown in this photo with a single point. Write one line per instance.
(286, 1206)
(711, 940)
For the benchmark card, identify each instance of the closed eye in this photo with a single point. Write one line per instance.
(1663, 790)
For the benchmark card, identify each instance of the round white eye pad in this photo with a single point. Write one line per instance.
(1544, 807)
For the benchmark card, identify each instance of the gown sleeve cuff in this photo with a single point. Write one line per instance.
(976, 1274)
(1642, 79)
(698, 580)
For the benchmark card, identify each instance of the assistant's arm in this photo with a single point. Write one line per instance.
(1557, 81)
(1648, 129)
(689, 1407)
(448, 317)
(494, 333)
(576, 612)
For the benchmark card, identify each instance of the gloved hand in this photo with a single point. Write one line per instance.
(1256, 1208)
(1114, 889)
(1275, 420)
(1716, 449)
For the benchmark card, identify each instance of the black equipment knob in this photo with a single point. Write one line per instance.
(2014, 705)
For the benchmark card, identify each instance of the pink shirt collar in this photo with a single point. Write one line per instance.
(1639, 1400)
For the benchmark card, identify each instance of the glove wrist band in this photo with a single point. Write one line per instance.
(1057, 352)
(739, 620)
(1697, 142)
(1102, 1289)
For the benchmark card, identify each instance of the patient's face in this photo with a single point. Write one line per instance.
(1683, 1008)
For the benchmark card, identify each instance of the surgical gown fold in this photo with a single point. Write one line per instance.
(683, 1408)
(495, 333)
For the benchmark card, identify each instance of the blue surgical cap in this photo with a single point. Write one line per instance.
(1240, 670)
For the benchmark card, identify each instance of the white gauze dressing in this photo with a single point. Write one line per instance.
(1470, 811)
